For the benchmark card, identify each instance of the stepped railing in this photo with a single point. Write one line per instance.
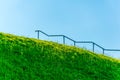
(75, 42)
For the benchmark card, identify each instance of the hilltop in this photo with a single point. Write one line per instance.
(23, 58)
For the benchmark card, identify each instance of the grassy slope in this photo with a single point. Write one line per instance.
(31, 59)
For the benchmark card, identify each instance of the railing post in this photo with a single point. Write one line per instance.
(103, 51)
(63, 39)
(74, 43)
(93, 46)
(37, 33)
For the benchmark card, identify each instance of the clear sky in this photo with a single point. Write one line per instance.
(91, 20)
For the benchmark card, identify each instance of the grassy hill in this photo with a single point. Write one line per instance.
(31, 59)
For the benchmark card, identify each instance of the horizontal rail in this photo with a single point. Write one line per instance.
(83, 41)
(66, 37)
(55, 35)
(112, 49)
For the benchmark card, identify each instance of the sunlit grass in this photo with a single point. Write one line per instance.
(31, 59)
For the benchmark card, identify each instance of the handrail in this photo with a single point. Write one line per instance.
(112, 49)
(66, 37)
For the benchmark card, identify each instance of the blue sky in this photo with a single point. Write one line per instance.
(91, 20)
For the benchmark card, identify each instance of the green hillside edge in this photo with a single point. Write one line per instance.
(24, 58)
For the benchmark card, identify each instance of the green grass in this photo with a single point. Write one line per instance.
(24, 58)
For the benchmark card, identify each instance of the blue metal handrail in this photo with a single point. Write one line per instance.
(66, 37)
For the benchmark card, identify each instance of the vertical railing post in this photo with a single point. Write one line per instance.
(93, 46)
(74, 43)
(37, 33)
(63, 39)
(103, 50)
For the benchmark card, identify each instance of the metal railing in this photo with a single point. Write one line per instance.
(75, 42)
